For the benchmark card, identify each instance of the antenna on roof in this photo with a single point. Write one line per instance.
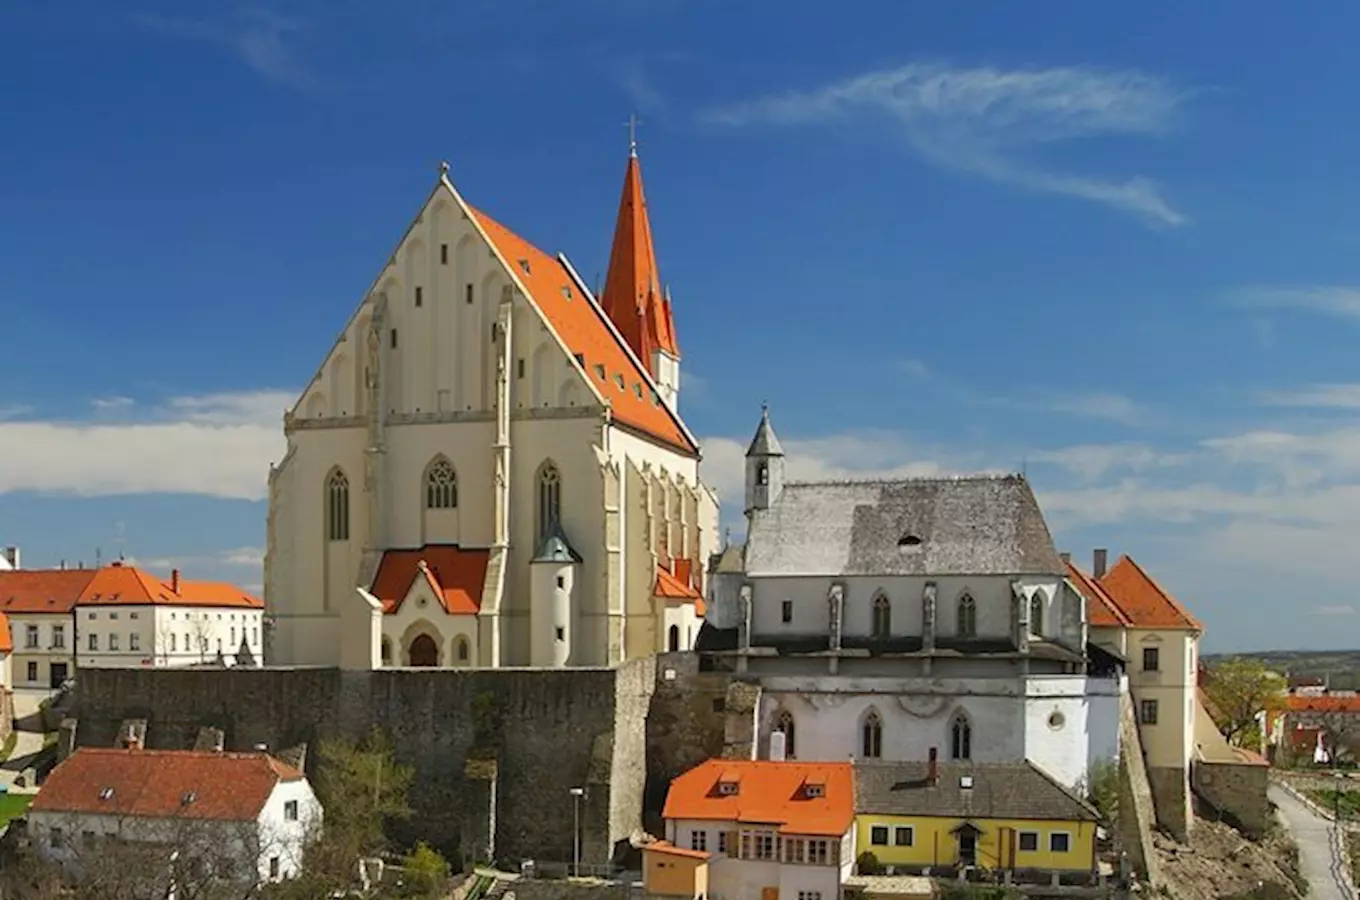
(98, 558)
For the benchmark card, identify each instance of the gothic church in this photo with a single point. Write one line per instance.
(490, 467)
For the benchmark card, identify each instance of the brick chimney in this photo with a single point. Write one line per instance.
(1098, 562)
(933, 767)
(174, 581)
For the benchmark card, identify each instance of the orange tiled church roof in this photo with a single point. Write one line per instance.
(454, 575)
(1142, 600)
(633, 295)
(1101, 610)
(616, 374)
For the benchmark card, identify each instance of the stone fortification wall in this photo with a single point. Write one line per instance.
(530, 734)
(1236, 791)
(1137, 813)
(684, 726)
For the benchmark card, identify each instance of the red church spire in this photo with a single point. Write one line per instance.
(633, 296)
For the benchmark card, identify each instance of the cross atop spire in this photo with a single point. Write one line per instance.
(632, 123)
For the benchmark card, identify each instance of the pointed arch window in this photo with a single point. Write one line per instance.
(763, 474)
(461, 650)
(337, 506)
(960, 737)
(549, 499)
(1036, 613)
(882, 621)
(784, 724)
(871, 736)
(441, 485)
(967, 625)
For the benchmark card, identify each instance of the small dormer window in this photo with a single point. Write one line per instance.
(566, 291)
(599, 371)
(187, 798)
(618, 379)
(106, 793)
(814, 790)
(727, 788)
(909, 541)
(637, 389)
(581, 360)
(966, 782)
(524, 264)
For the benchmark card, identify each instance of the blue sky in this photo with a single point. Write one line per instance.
(1117, 251)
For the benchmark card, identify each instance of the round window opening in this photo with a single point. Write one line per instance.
(421, 602)
(1056, 720)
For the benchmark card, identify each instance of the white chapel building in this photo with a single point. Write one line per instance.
(490, 468)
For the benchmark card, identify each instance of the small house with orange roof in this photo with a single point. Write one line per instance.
(1135, 618)
(6, 678)
(122, 616)
(772, 828)
(209, 810)
(489, 467)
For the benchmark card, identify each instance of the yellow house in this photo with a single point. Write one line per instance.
(669, 871)
(995, 816)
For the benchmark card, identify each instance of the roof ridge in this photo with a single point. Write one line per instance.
(1175, 604)
(950, 479)
(1064, 789)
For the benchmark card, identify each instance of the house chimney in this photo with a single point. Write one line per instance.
(12, 554)
(1066, 557)
(777, 743)
(174, 581)
(933, 767)
(1098, 560)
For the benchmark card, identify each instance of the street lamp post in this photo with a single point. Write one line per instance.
(576, 794)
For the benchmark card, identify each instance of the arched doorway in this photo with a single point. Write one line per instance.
(673, 640)
(424, 652)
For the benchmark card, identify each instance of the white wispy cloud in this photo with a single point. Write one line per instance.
(1316, 396)
(1092, 405)
(983, 120)
(1331, 300)
(1343, 610)
(250, 558)
(260, 39)
(217, 445)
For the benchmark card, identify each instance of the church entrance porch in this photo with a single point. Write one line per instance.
(424, 652)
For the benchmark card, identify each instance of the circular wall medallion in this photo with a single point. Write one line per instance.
(1056, 720)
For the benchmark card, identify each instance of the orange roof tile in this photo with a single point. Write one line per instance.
(1101, 610)
(6, 637)
(670, 849)
(633, 296)
(155, 783)
(61, 590)
(768, 793)
(583, 328)
(42, 590)
(1143, 601)
(455, 575)
(1325, 703)
(670, 587)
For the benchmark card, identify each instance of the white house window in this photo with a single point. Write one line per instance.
(961, 738)
(786, 612)
(441, 485)
(172, 642)
(967, 625)
(273, 867)
(113, 641)
(337, 506)
(94, 641)
(58, 637)
(290, 811)
(134, 641)
(1147, 712)
(549, 499)
(818, 852)
(698, 840)
(31, 637)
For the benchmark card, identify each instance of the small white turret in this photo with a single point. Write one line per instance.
(764, 466)
(552, 586)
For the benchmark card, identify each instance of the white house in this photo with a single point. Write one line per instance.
(771, 828)
(243, 816)
(489, 467)
(886, 618)
(120, 616)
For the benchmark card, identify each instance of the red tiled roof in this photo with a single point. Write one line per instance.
(583, 328)
(6, 638)
(456, 576)
(1143, 601)
(768, 793)
(1324, 703)
(1101, 610)
(163, 783)
(670, 587)
(633, 295)
(42, 590)
(61, 590)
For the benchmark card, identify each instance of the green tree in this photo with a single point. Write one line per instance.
(427, 873)
(1103, 789)
(1240, 689)
(361, 787)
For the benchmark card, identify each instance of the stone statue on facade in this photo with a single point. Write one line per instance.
(928, 610)
(835, 602)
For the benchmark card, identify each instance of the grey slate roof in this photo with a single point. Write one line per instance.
(999, 791)
(969, 525)
(554, 547)
(765, 443)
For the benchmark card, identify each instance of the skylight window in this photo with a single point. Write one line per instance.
(618, 379)
(727, 788)
(599, 371)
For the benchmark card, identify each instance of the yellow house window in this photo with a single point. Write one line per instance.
(878, 835)
(1029, 841)
(1059, 842)
(903, 836)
